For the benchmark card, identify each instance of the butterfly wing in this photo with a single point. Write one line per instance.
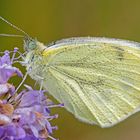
(97, 79)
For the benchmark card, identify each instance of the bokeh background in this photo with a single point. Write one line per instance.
(50, 20)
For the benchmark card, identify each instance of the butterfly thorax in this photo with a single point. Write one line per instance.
(34, 60)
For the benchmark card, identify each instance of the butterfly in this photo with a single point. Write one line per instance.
(97, 79)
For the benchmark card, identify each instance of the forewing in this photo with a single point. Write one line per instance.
(99, 82)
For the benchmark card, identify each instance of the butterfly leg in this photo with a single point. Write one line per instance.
(24, 78)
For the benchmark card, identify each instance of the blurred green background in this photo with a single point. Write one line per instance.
(50, 20)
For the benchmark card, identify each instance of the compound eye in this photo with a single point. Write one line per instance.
(32, 45)
(29, 44)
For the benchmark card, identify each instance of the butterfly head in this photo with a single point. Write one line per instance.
(30, 44)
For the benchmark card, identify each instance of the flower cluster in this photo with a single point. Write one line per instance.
(24, 115)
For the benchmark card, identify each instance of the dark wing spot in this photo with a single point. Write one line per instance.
(120, 52)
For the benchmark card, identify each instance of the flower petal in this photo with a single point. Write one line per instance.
(20, 132)
(4, 119)
(2, 130)
(3, 89)
(34, 130)
(31, 98)
(7, 71)
(5, 59)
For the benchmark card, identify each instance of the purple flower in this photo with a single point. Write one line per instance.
(23, 116)
(26, 119)
(32, 114)
(5, 88)
(6, 68)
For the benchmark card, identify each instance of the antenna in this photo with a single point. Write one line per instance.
(15, 27)
(11, 35)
